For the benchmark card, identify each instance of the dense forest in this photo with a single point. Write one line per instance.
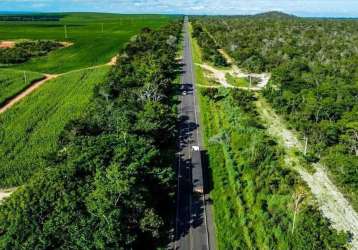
(210, 53)
(314, 66)
(24, 51)
(110, 184)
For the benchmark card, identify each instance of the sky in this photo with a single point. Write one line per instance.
(319, 8)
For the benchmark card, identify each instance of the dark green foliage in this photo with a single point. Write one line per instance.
(111, 183)
(23, 51)
(254, 191)
(314, 80)
(212, 93)
(208, 45)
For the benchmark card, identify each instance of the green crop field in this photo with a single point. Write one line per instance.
(14, 81)
(91, 45)
(30, 129)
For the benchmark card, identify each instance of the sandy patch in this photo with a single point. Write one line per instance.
(7, 44)
(220, 76)
(113, 61)
(66, 44)
(4, 193)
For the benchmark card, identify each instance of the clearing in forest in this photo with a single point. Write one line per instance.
(235, 77)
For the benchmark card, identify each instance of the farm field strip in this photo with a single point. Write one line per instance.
(26, 92)
(29, 130)
(13, 82)
(37, 83)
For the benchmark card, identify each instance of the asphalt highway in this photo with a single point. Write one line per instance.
(194, 228)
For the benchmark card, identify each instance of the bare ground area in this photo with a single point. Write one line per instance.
(66, 44)
(7, 44)
(113, 61)
(4, 193)
(220, 76)
(331, 201)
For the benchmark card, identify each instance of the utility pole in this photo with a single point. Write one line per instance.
(65, 31)
(306, 144)
(250, 82)
(25, 78)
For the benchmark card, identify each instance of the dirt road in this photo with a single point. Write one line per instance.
(46, 78)
(26, 92)
(331, 201)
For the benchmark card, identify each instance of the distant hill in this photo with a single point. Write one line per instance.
(275, 14)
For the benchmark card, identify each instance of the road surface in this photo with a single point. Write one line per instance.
(194, 228)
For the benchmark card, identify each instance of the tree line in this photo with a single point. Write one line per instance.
(111, 183)
(25, 50)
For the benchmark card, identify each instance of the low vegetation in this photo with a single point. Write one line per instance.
(13, 82)
(110, 184)
(238, 81)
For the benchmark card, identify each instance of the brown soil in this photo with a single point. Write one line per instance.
(7, 44)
